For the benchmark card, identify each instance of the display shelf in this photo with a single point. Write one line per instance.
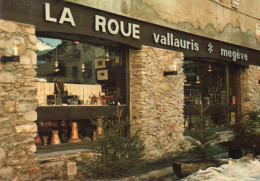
(213, 109)
(78, 112)
(65, 146)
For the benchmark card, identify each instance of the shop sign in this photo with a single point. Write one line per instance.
(66, 15)
(114, 27)
(76, 21)
(234, 55)
(175, 42)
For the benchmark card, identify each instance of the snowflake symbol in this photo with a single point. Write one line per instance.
(210, 47)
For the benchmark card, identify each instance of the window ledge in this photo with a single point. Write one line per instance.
(61, 153)
(65, 149)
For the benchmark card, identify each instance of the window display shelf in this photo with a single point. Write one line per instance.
(83, 145)
(213, 109)
(78, 112)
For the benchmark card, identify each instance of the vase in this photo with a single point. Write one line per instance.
(45, 140)
(74, 133)
(38, 140)
(55, 137)
(99, 127)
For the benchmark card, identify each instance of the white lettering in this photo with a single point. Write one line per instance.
(136, 31)
(67, 16)
(246, 57)
(163, 40)
(100, 21)
(113, 27)
(183, 43)
(177, 42)
(116, 25)
(168, 40)
(229, 53)
(234, 55)
(156, 37)
(188, 44)
(197, 47)
(48, 13)
(192, 45)
(242, 56)
(224, 52)
(122, 28)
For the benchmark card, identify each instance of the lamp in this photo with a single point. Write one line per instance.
(107, 55)
(173, 67)
(56, 64)
(83, 68)
(16, 46)
(198, 80)
(209, 70)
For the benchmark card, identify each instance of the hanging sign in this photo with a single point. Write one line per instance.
(63, 19)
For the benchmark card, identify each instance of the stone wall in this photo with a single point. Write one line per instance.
(156, 101)
(250, 88)
(17, 105)
(18, 129)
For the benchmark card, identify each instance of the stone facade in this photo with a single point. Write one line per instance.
(17, 105)
(250, 88)
(156, 101)
(18, 129)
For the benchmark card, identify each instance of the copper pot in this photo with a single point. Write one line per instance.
(74, 133)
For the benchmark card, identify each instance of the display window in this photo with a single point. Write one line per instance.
(213, 85)
(77, 82)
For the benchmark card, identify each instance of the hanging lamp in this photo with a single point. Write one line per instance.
(198, 78)
(56, 64)
(209, 69)
(83, 68)
(107, 55)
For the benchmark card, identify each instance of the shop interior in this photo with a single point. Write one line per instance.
(77, 82)
(213, 85)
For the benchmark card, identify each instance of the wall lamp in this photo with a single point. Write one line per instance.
(16, 46)
(173, 67)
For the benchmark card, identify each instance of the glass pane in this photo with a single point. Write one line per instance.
(212, 85)
(82, 70)
(204, 82)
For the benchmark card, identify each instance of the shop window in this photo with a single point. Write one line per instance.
(77, 83)
(213, 85)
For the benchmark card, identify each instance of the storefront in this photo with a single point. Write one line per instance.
(91, 62)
